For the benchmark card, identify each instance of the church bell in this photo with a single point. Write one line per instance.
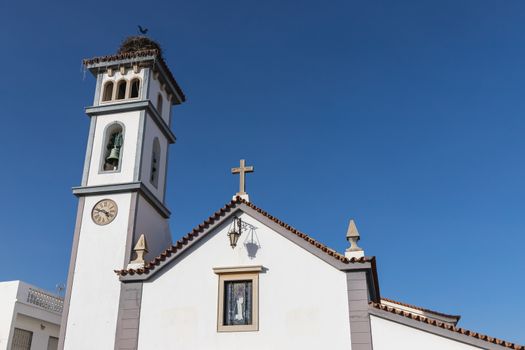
(114, 156)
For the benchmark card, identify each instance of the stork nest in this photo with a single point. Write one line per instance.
(138, 43)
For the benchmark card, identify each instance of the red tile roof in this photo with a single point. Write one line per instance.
(137, 54)
(420, 308)
(447, 326)
(197, 231)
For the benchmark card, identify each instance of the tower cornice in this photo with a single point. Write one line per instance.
(139, 187)
(134, 106)
(141, 59)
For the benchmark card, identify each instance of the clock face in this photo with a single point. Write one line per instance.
(104, 212)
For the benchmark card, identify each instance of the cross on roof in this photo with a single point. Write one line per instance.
(242, 170)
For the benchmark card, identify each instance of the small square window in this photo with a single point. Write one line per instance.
(238, 304)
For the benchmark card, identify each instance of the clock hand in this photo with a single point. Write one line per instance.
(102, 211)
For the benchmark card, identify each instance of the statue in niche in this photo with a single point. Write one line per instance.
(240, 301)
(114, 146)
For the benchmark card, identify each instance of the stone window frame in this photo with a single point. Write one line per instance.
(239, 273)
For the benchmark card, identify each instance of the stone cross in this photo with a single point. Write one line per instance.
(242, 170)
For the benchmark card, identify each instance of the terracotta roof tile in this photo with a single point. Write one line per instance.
(182, 242)
(446, 326)
(420, 308)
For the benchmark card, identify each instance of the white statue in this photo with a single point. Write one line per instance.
(240, 301)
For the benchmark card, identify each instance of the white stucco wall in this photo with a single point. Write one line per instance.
(151, 131)
(38, 313)
(154, 91)
(8, 292)
(96, 289)
(131, 121)
(389, 335)
(302, 300)
(154, 227)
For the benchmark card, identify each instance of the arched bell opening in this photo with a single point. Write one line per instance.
(107, 95)
(159, 104)
(121, 89)
(134, 88)
(112, 152)
(155, 163)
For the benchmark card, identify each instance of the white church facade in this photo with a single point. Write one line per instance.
(242, 279)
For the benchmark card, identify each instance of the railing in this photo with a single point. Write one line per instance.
(45, 301)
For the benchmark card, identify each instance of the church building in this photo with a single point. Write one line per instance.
(241, 279)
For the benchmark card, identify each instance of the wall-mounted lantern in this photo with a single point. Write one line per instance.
(235, 231)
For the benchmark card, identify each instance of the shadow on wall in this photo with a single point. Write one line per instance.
(252, 242)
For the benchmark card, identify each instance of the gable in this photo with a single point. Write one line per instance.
(324, 253)
(302, 300)
(259, 244)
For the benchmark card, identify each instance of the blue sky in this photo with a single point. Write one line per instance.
(405, 115)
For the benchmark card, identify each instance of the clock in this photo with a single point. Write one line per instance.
(104, 212)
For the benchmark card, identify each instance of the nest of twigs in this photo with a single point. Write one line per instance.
(138, 43)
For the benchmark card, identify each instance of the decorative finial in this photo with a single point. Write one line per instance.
(242, 170)
(352, 235)
(141, 248)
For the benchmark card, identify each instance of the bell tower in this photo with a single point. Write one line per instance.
(122, 193)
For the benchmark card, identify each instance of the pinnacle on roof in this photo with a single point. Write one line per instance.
(352, 230)
(141, 248)
(352, 235)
